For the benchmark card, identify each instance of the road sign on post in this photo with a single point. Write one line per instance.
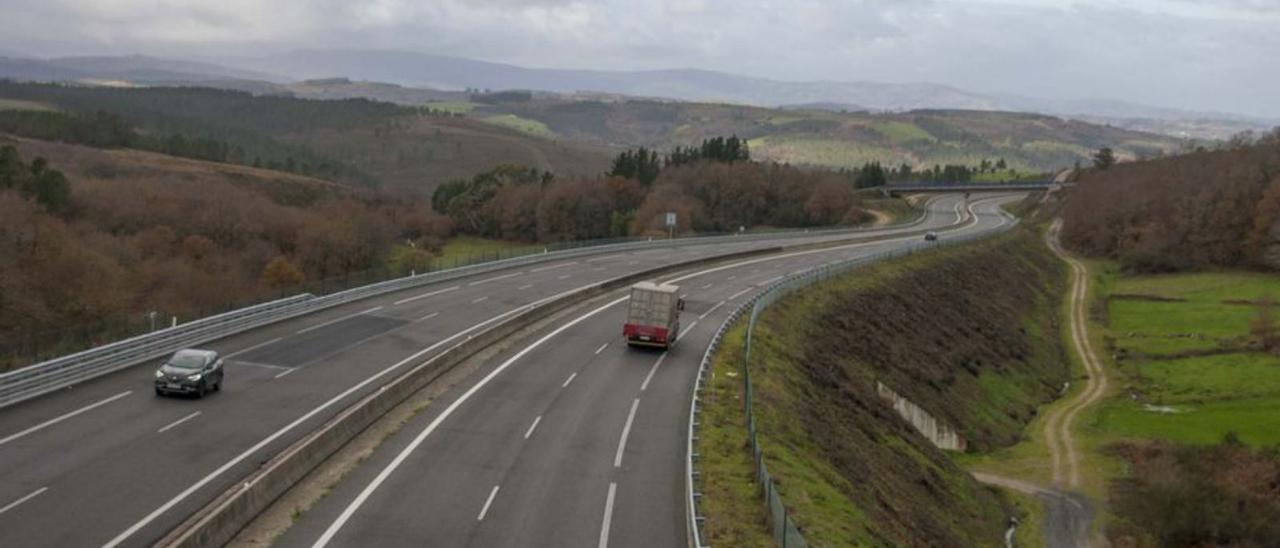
(671, 224)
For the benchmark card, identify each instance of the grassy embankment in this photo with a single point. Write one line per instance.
(968, 334)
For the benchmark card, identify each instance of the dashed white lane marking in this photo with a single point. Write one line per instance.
(428, 317)
(529, 432)
(568, 380)
(386, 472)
(179, 421)
(739, 294)
(283, 373)
(601, 349)
(331, 322)
(485, 510)
(564, 277)
(480, 300)
(552, 267)
(252, 348)
(686, 330)
(524, 287)
(428, 294)
(626, 431)
(608, 516)
(61, 418)
(15, 503)
(496, 278)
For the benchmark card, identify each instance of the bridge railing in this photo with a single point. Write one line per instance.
(785, 531)
(62, 372)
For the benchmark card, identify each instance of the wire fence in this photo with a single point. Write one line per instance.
(785, 531)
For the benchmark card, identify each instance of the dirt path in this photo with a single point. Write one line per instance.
(1066, 515)
(1062, 446)
(882, 218)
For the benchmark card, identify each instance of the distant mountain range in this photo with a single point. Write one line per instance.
(445, 73)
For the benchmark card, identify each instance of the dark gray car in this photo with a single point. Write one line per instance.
(190, 372)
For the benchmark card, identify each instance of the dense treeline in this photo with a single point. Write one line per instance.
(1186, 495)
(185, 243)
(37, 182)
(516, 203)
(201, 123)
(644, 164)
(107, 130)
(1204, 209)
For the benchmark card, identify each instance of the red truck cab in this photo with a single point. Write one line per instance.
(653, 315)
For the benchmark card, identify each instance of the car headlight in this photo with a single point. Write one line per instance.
(195, 377)
(159, 374)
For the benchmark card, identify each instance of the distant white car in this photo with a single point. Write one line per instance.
(930, 236)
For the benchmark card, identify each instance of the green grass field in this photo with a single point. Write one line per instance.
(17, 104)
(821, 152)
(1192, 399)
(462, 249)
(902, 132)
(524, 125)
(455, 107)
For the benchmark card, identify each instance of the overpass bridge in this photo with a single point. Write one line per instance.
(922, 188)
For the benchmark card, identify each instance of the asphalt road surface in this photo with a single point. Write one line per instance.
(569, 438)
(107, 463)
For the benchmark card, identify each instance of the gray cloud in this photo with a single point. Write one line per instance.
(1200, 54)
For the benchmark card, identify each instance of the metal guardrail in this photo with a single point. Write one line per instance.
(785, 531)
(42, 378)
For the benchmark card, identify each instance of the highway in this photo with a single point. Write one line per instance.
(107, 463)
(568, 438)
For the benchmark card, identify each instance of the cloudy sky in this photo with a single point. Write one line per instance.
(1218, 55)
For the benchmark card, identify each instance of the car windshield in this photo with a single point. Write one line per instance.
(187, 361)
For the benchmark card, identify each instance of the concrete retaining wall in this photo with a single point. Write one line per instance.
(942, 435)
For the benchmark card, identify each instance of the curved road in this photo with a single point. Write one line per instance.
(567, 439)
(107, 463)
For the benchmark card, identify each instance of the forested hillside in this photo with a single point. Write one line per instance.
(1205, 209)
(91, 239)
(920, 139)
(353, 140)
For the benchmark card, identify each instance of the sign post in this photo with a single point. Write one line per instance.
(671, 225)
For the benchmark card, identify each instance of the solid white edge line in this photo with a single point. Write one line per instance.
(608, 515)
(425, 295)
(553, 267)
(626, 431)
(496, 278)
(331, 322)
(386, 472)
(652, 370)
(569, 380)
(485, 510)
(601, 349)
(282, 431)
(177, 422)
(252, 348)
(529, 432)
(64, 417)
(15, 503)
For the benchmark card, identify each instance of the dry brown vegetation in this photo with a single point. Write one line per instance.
(1186, 495)
(1204, 209)
(147, 232)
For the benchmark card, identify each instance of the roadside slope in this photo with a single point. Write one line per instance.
(968, 335)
